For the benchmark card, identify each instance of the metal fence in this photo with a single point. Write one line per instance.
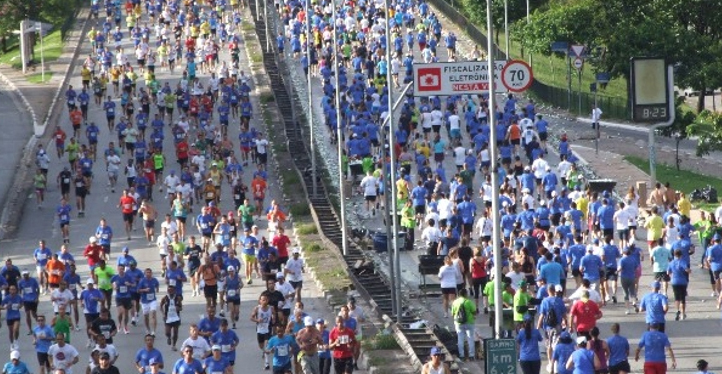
(613, 107)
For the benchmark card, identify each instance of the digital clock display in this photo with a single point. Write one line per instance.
(651, 112)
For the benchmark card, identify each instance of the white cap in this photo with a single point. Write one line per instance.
(558, 288)
(15, 355)
(307, 321)
(230, 268)
(295, 251)
(90, 281)
(92, 239)
(581, 339)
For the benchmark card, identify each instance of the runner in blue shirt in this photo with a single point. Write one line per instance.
(90, 300)
(216, 363)
(282, 347)
(618, 351)
(122, 282)
(679, 271)
(104, 234)
(43, 338)
(188, 364)
(227, 340)
(591, 267)
(148, 287)
(562, 351)
(628, 275)
(583, 360)
(148, 354)
(12, 304)
(63, 212)
(528, 340)
(29, 288)
(610, 255)
(654, 342)
(655, 305)
(72, 279)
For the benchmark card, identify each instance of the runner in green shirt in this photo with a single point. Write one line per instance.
(521, 302)
(103, 275)
(246, 211)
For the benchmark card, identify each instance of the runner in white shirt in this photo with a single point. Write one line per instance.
(200, 346)
(539, 167)
(171, 182)
(459, 157)
(113, 162)
(294, 269)
(369, 185)
(61, 296)
(62, 355)
(431, 236)
(621, 223)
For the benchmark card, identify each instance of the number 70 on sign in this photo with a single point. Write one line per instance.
(516, 77)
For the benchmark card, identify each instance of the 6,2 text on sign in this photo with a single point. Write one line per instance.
(456, 78)
(517, 76)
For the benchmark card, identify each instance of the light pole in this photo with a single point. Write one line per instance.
(498, 306)
(339, 135)
(314, 189)
(506, 28)
(528, 21)
(39, 28)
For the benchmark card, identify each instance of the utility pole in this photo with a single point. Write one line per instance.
(339, 136)
(309, 37)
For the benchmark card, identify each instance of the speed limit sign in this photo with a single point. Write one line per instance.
(517, 76)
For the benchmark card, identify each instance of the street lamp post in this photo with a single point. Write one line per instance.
(309, 35)
(498, 306)
(339, 135)
(506, 28)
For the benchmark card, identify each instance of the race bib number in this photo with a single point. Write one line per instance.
(150, 296)
(66, 180)
(28, 290)
(226, 348)
(42, 256)
(123, 289)
(171, 282)
(282, 350)
(15, 306)
(231, 293)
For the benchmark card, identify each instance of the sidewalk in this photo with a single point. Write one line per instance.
(28, 109)
(608, 165)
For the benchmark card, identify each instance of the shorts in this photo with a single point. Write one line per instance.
(43, 359)
(210, 291)
(420, 209)
(126, 303)
(30, 306)
(282, 369)
(371, 198)
(610, 274)
(343, 365)
(149, 223)
(234, 301)
(576, 273)
(135, 297)
(173, 324)
(543, 136)
(716, 274)
(181, 219)
(296, 285)
(448, 291)
(248, 258)
(623, 234)
(128, 217)
(262, 338)
(515, 141)
(106, 249)
(661, 276)
(680, 292)
(661, 326)
(107, 293)
(608, 232)
(263, 158)
(11, 322)
(90, 317)
(622, 366)
(149, 307)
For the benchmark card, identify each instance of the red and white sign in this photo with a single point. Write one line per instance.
(456, 78)
(517, 76)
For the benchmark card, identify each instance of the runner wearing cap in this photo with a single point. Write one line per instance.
(562, 351)
(15, 366)
(288, 293)
(583, 360)
(309, 339)
(294, 269)
(435, 365)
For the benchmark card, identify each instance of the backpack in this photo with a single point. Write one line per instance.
(550, 318)
(460, 316)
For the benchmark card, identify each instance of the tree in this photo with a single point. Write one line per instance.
(707, 127)
(678, 130)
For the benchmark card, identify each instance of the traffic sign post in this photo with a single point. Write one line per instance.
(578, 63)
(470, 77)
(500, 355)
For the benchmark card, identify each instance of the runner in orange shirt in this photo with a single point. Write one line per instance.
(513, 135)
(126, 207)
(55, 269)
(76, 118)
(258, 186)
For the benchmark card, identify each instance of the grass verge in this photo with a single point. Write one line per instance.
(52, 47)
(683, 180)
(37, 78)
(306, 229)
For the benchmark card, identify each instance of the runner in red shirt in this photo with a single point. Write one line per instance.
(585, 314)
(59, 136)
(281, 242)
(126, 205)
(181, 152)
(341, 341)
(93, 252)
